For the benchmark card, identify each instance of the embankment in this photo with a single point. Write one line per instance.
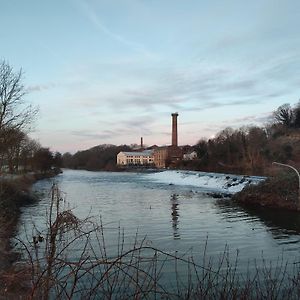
(15, 192)
(278, 192)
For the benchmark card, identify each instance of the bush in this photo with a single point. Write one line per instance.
(69, 259)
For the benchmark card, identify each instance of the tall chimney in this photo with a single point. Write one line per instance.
(174, 129)
(142, 146)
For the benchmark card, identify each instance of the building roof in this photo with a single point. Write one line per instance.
(190, 152)
(141, 153)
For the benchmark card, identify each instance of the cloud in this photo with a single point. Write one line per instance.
(40, 87)
(94, 19)
(144, 125)
(139, 121)
(188, 90)
(87, 134)
(192, 90)
(285, 67)
(249, 120)
(198, 87)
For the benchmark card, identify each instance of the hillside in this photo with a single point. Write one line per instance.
(278, 192)
(247, 150)
(101, 157)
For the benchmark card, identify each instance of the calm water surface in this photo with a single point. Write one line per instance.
(173, 218)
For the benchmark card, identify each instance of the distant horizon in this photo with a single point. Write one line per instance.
(109, 72)
(146, 145)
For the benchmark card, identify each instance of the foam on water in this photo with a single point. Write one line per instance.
(224, 183)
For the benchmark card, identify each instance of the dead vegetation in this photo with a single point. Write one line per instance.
(279, 191)
(70, 260)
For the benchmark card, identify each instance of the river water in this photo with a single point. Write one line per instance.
(181, 218)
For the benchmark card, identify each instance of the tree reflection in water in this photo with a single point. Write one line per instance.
(280, 223)
(175, 216)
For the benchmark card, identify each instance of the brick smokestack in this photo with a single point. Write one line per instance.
(174, 129)
(142, 146)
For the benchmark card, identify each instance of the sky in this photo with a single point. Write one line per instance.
(111, 71)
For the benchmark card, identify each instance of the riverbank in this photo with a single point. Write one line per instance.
(277, 192)
(15, 192)
(171, 219)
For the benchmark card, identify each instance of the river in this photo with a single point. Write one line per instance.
(173, 217)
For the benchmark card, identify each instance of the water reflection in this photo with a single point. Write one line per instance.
(281, 223)
(125, 198)
(175, 216)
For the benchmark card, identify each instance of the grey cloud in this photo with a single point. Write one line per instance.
(277, 94)
(99, 134)
(127, 128)
(212, 129)
(197, 88)
(40, 87)
(142, 124)
(139, 121)
(229, 41)
(89, 12)
(88, 135)
(91, 102)
(236, 123)
(258, 119)
(282, 69)
(184, 90)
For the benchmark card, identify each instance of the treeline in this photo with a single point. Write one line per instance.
(19, 153)
(247, 150)
(252, 149)
(102, 157)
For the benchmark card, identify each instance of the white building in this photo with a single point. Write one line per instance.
(135, 158)
(190, 156)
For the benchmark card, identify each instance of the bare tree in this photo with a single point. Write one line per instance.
(284, 115)
(256, 142)
(28, 150)
(14, 113)
(13, 139)
(297, 115)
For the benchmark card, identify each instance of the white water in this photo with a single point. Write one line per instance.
(181, 218)
(217, 182)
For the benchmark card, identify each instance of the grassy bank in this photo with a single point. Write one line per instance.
(13, 195)
(15, 192)
(279, 192)
(69, 259)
